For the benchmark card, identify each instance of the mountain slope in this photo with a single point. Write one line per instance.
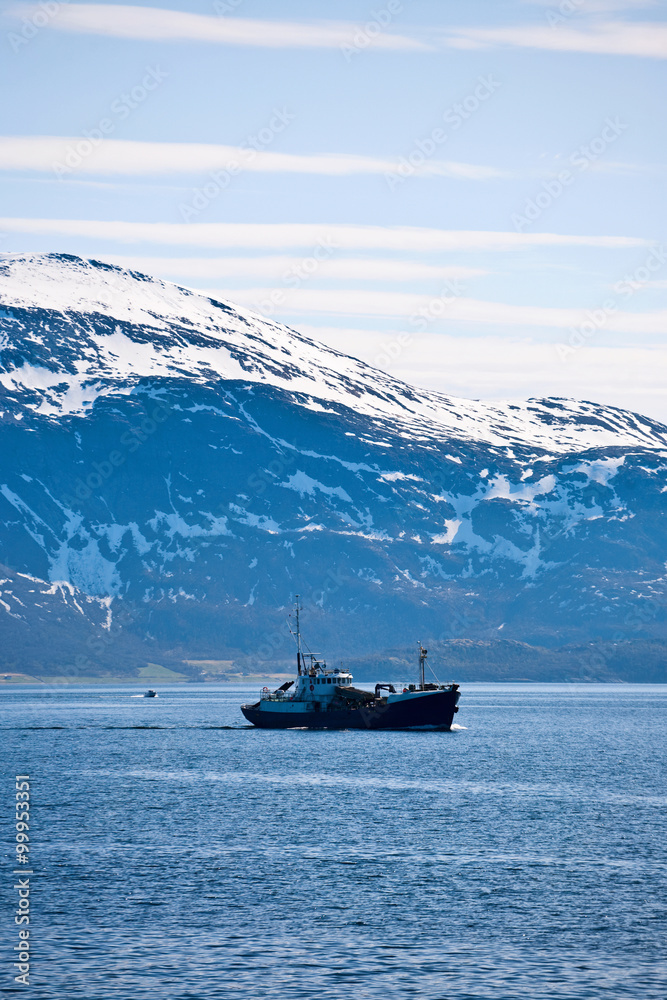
(198, 465)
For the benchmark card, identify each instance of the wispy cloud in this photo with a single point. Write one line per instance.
(155, 24)
(275, 266)
(633, 38)
(629, 38)
(278, 236)
(622, 168)
(358, 302)
(488, 366)
(592, 6)
(127, 157)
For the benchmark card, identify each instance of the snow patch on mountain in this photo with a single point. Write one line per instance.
(448, 536)
(260, 521)
(86, 568)
(501, 487)
(304, 485)
(601, 470)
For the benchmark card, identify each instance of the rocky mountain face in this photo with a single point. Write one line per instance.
(174, 470)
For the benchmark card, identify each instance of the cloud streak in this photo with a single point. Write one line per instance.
(274, 236)
(154, 24)
(628, 38)
(358, 302)
(487, 366)
(68, 155)
(275, 266)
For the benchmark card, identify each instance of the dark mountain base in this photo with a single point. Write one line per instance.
(638, 662)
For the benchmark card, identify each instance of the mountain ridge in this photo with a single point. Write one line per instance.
(156, 303)
(197, 464)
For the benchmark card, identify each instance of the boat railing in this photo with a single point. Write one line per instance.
(266, 695)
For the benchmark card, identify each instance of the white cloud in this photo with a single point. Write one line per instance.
(593, 6)
(611, 38)
(495, 367)
(627, 169)
(356, 269)
(275, 266)
(71, 155)
(273, 236)
(154, 24)
(459, 310)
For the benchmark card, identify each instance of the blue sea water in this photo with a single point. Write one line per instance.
(179, 854)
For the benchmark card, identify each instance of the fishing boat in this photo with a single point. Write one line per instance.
(320, 698)
(151, 693)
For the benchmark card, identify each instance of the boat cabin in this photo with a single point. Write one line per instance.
(315, 684)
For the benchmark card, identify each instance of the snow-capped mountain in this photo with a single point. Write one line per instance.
(193, 465)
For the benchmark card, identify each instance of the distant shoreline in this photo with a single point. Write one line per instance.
(141, 682)
(274, 680)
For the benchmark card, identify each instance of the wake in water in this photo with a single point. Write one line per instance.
(92, 726)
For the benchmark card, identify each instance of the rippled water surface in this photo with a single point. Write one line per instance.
(179, 854)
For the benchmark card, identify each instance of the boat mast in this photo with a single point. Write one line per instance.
(423, 653)
(298, 638)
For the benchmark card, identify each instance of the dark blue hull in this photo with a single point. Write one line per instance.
(434, 710)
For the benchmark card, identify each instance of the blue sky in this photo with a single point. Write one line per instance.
(469, 195)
